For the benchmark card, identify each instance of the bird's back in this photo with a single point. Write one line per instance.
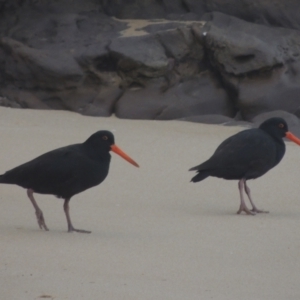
(63, 172)
(247, 154)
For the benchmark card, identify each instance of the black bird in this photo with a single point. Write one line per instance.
(66, 171)
(248, 154)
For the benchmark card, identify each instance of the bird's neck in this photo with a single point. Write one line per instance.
(98, 154)
(280, 147)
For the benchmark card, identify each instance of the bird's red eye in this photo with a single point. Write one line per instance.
(105, 138)
(281, 125)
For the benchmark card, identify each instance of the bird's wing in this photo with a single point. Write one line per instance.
(54, 167)
(243, 149)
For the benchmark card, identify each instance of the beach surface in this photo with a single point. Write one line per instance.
(155, 235)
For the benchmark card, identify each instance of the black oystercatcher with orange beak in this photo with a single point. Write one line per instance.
(248, 154)
(66, 171)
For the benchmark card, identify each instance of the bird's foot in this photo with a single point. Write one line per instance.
(255, 210)
(72, 229)
(41, 220)
(246, 210)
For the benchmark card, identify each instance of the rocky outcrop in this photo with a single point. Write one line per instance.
(199, 95)
(275, 13)
(260, 65)
(210, 61)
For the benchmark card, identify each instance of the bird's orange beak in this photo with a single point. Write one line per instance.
(120, 152)
(292, 137)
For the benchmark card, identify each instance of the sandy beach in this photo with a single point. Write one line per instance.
(155, 235)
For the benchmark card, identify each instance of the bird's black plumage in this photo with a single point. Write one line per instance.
(248, 154)
(66, 171)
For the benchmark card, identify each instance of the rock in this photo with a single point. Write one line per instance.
(24, 99)
(259, 65)
(139, 55)
(238, 47)
(141, 102)
(52, 71)
(75, 57)
(217, 119)
(277, 89)
(142, 9)
(176, 44)
(200, 95)
(208, 119)
(8, 103)
(65, 63)
(180, 43)
(239, 123)
(90, 101)
(275, 13)
(33, 68)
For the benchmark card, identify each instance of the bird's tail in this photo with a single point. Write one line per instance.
(200, 176)
(2, 178)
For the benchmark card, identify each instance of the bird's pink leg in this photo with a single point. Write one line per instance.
(38, 211)
(243, 206)
(254, 208)
(67, 212)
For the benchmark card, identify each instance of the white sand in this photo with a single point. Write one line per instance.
(154, 234)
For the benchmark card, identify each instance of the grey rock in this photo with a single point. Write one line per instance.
(277, 89)
(34, 68)
(238, 47)
(23, 99)
(217, 119)
(142, 9)
(8, 103)
(198, 95)
(140, 102)
(208, 119)
(180, 43)
(259, 65)
(57, 55)
(142, 55)
(276, 13)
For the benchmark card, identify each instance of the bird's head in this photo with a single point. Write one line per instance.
(278, 128)
(104, 141)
